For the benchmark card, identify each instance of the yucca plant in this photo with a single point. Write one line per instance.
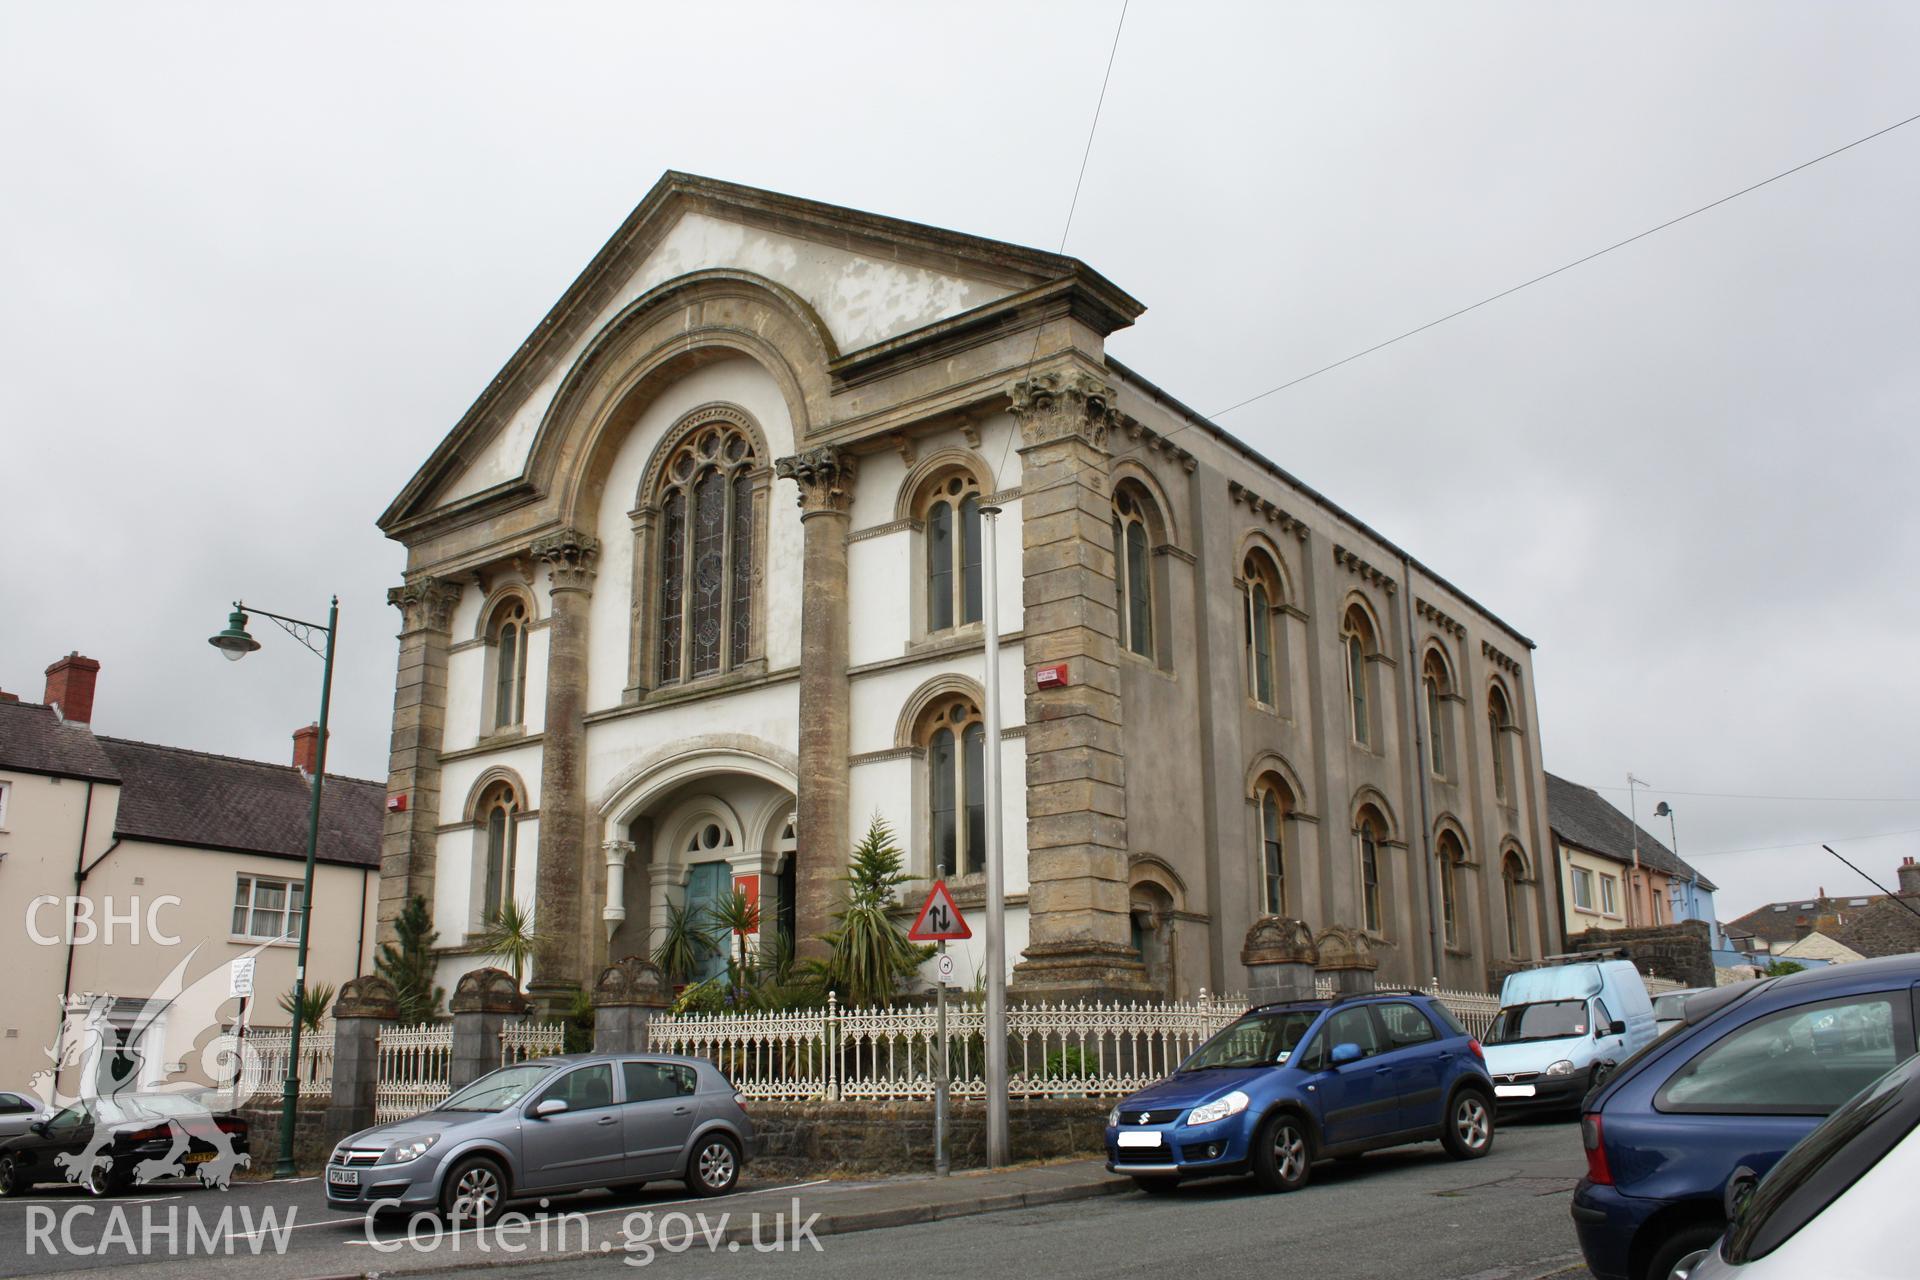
(684, 943)
(869, 955)
(735, 916)
(314, 1003)
(510, 936)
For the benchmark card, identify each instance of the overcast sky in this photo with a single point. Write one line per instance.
(257, 260)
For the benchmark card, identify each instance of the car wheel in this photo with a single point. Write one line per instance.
(13, 1180)
(1468, 1132)
(1683, 1251)
(1157, 1186)
(473, 1191)
(105, 1180)
(1282, 1153)
(714, 1166)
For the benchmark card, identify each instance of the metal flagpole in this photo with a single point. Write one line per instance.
(996, 1028)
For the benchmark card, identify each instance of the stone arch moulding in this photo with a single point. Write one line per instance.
(1433, 645)
(689, 816)
(1448, 822)
(483, 783)
(766, 823)
(946, 684)
(1271, 762)
(689, 423)
(636, 787)
(671, 329)
(1370, 797)
(515, 589)
(1511, 848)
(1151, 869)
(950, 458)
(1358, 600)
(1258, 541)
(1129, 470)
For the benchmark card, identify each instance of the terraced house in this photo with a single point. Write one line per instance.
(697, 584)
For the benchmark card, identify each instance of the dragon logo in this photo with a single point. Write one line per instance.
(97, 1031)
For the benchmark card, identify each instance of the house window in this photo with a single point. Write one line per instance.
(706, 554)
(267, 910)
(955, 735)
(1499, 718)
(6, 790)
(1360, 643)
(1610, 895)
(497, 810)
(1261, 600)
(954, 573)
(1274, 807)
(508, 636)
(1133, 572)
(1433, 675)
(1512, 873)
(1451, 857)
(1582, 888)
(1369, 875)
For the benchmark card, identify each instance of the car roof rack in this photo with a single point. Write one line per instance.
(1340, 998)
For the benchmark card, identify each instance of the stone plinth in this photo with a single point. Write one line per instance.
(625, 999)
(1346, 955)
(363, 1004)
(1281, 960)
(483, 1002)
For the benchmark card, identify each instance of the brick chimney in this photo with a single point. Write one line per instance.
(1909, 876)
(8, 697)
(70, 687)
(306, 748)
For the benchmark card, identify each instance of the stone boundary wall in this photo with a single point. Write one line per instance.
(820, 1138)
(313, 1137)
(1683, 951)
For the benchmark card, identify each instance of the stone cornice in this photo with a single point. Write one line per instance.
(1274, 513)
(1146, 439)
(1365, 572)
(825, 477)
(1443, 621)
(1499, 659)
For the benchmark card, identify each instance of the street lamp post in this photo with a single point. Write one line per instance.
(1665, 810)
(996, 1014)
(236, 644)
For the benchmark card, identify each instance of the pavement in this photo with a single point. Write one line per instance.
(1408, 1212)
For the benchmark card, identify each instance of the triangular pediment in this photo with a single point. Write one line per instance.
(868, 280)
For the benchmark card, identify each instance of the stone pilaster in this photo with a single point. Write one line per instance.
(483, 1002)
(364, 1003)
(822, 831)
(561, 884)
(1078, 926)
(408, 839)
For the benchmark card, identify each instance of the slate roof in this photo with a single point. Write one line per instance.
(1884, 927)
(1782, 922)
(35, 740)
(177, 796)
(1580, 816)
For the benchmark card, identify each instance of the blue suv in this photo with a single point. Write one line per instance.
(1677, 1132)
(1291, 1083)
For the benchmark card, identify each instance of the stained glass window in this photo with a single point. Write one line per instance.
(706, 556)
(673, 552)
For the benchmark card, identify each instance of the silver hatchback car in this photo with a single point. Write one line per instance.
(551, 1126)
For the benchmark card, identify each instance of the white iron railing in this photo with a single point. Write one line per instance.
(415, 1065)
(1081, 1050)
(264, 1068)
(524, 1041)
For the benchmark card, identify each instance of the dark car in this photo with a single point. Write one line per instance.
(146, 1136)
(1751, 1070)
(1299, 1081)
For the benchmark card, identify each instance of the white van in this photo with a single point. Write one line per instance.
(1560, 1030)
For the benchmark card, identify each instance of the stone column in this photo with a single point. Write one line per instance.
(561, 883)
(1346, 955)
(1078, 926)
(408, 838)
(625, 1000)
(1280, 959)
(483, 1001)
(822, 831)
(363, 1004)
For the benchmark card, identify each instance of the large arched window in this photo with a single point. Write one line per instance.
(950, 511)
(497, 812)
(1438, 686)
(506, 638)
(1451, 858)
(1360, 642)
(1272, 804)
(1133, 569)
(1372, 831)
(1261, 601)
(706, 553)
(1513, 875)
(1499, 720)
(954, 734)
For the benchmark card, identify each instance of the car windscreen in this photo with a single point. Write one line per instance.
(498, 1090)
(1548, 1020)
(1257, 1040)
(1670, 1007)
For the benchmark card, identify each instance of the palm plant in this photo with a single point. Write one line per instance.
(736, 915)
(869, 955)
(314, 1003)
(684, 943)
(511, 936)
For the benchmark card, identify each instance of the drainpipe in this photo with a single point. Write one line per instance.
(360, 940)
(80, 870)
(1414, 701)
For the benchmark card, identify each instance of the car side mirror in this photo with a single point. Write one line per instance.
(1739, 1190)
(1345, 1053)
(39, 1128)
(1616, 1028)
(549, 1107)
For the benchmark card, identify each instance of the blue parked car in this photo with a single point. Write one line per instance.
(1751, 1070)
(1307, 1080)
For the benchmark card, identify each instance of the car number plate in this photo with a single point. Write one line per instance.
(1134, 1138)
(1513, 1091)
(343, 1177)
(197, 1157)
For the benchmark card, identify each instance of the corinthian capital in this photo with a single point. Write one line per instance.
(570, 557)
(825, 476)
(424, 602)
(1055, 406)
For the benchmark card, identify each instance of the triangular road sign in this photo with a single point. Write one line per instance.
(939, 919)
